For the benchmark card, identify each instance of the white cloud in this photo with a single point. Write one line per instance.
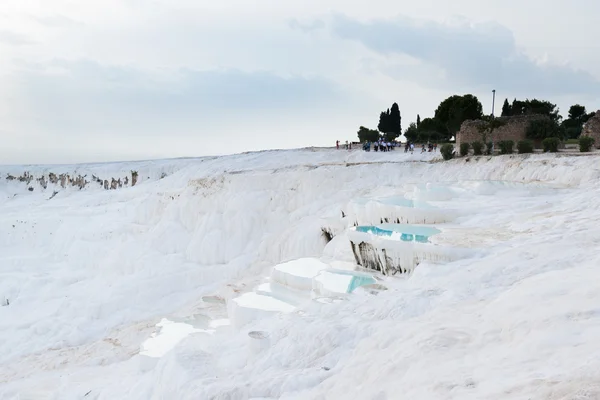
(180, 77)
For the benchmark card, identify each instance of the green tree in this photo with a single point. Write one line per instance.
(412, 133)
(506, 109)
(454, 110)
(573, 125)
(367, 135)
(535, 106)
(544, 128)
(390, 123)
(384, 121)
(577, 112)
(431, 129)
(418, 120)
(394, 129)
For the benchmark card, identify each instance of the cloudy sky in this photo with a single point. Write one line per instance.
(104, 80)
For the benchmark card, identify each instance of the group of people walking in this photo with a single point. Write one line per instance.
(382, 145)
(411, 147)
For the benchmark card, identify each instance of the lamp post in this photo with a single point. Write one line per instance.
(493, 101)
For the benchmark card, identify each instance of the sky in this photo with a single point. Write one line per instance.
(116, 80)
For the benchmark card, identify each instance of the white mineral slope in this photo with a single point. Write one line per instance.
(89, 273)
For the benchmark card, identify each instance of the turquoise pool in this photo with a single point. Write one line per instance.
(406, 233)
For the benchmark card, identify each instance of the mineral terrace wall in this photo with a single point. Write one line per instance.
(515, 129)
(592, 129)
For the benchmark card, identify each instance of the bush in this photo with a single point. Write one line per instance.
(464, 149)
(477, 148)
(506, 146)
(525, 146)
(447, 151)
(544, 128)
(550, 144)
(489, 148)
(585, 144)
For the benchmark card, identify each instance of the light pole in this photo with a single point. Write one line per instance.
(493, 101)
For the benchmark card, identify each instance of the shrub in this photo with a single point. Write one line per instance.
(550, 144)
(525, 146)
(543, 128)
(464, 149)
(447, 151)
(489, 148)
(585, 144)
(506, 146)
(477, 148)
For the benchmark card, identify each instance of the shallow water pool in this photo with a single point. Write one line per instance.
(403, 232)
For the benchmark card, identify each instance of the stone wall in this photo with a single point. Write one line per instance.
(515, 129)
(592, 129)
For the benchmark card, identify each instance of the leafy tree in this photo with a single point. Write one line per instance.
(390, 123)
(367, 135)
(572, 128)
(395, 121)
(454, 110)
(412, 133)
(574, 124)
(544, 128)
(506, 109)
(535, 106)
(577, 112)
(433, 130)
(384, 121)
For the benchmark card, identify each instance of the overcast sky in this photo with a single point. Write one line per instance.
(105, 80)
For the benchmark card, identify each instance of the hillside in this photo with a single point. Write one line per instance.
(88, 273)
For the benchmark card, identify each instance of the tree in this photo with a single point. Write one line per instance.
(574, 124)
(411, 134)
(395, 120)
(384, 121)
(577, 112)
(455, 110)
(390, 123)
(367, 135)
(535, 106)
(506, 109)
(431, 129)
(418, 120)
(544, 128)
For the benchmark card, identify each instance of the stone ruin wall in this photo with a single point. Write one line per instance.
(515, 129)
(592, 129)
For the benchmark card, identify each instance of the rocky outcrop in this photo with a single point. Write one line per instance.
(515, 129)
(592, 129)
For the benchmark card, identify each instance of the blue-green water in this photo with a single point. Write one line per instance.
(406, 233)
